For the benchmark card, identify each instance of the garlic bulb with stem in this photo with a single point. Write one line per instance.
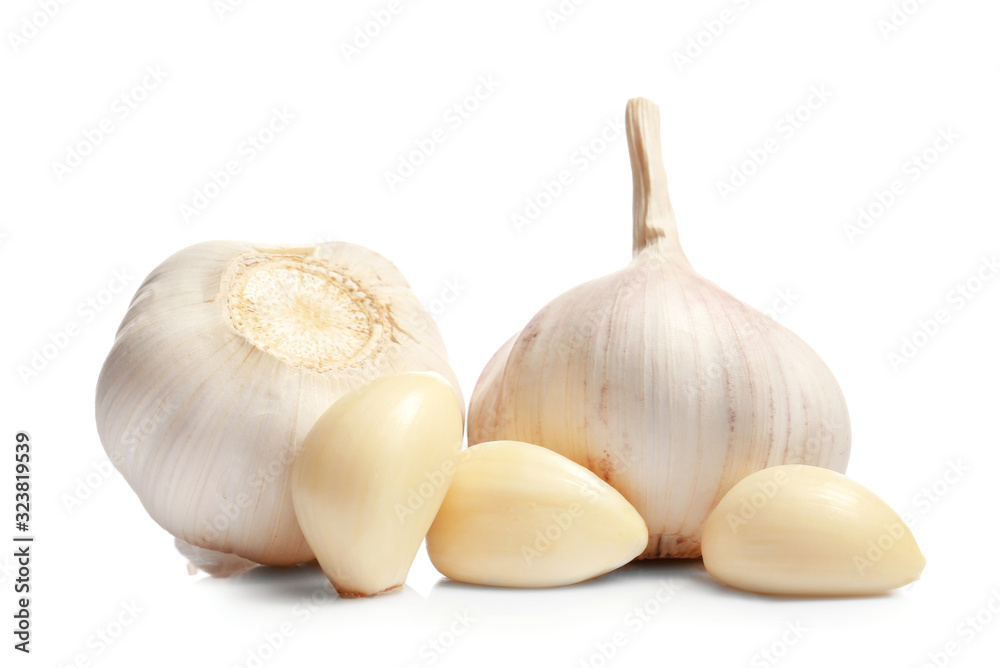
(228, 354)
(666, 386)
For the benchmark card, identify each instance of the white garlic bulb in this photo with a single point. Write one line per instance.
(226, 357)
(664, 385)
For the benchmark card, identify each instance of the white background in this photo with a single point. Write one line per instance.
(854, 298)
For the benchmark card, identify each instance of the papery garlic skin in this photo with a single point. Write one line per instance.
(807, 531)
(228, 354)
(518, 515)
(664, 385)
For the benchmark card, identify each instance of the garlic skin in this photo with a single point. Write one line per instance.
(518, 515)
(371, 476)
(667, 387)
(807, 531)
(228, 354)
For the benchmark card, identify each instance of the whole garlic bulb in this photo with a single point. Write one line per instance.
(226, 357)
(660, 382)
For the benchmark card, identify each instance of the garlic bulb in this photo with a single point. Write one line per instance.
(226, 357)
(804, 530)
(372, 474)
(664, 385)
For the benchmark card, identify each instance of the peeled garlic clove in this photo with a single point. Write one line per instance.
(518, 515)
(804, 530)
(371, 475)
(228, 354)
(667, 387)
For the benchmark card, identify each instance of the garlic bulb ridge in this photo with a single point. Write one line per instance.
(660, 382)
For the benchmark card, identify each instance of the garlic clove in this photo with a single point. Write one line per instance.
(518, 515)
(371, 475)
(228, 354)
(664, 385)
(805, 530)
